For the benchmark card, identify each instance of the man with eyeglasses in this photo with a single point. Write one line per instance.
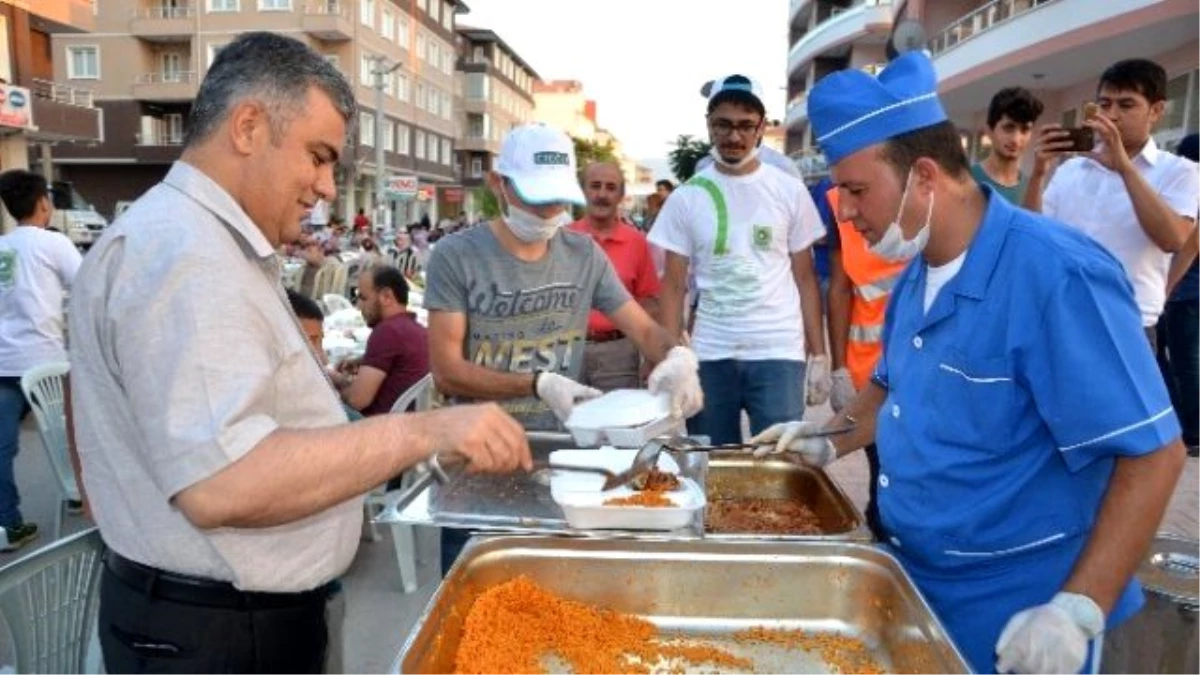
(744, 228)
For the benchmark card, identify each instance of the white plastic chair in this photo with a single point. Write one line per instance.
(335, 302)
(44, 390)
(403, 536)
(49, 600)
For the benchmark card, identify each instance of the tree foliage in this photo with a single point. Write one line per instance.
(486, 204)
(686, 155)
(588, 152)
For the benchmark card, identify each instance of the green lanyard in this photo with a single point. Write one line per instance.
(720, 247)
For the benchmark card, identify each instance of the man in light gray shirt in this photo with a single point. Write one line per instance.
(217, 459)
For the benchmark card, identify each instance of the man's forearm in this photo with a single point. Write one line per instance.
(839, 321)
(805, 276)
(1133, 506)
(472, 380)
(651, 306)
(1033, 191)
(671, 308)
(1182, 260)
(292, 474)
(1167, 229)
(862, 410)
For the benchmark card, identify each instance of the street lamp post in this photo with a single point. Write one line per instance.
(380, 72)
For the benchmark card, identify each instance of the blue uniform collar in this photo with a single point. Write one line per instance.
(973, 279)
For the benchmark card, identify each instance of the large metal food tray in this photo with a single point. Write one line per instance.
(741, 476)
(706, 590)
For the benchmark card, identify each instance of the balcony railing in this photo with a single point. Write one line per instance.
(169, 77)
(327, 8)
(981, 20)
(62, 93)
(163, 12)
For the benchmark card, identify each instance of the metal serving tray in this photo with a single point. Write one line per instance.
(732, 476)
(518, 503)
(706, 591)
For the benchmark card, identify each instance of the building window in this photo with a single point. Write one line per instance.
(83, 62)
(388, 26)
(366, 12)
(402, 32)
(435, 54)
(476, 167)
(172, 67)
(401, 87)
(446, 106)
(366, 128)
(424, 5)
(274, 5)
(364, 69)
(402, 139)
(389, 136)
(420, 96)
(419, 145)
(432, 150)
(447, 151)
(223, 6)
(448, 17)
(173, 129)
(448, 62)
(420, 44)
(435, 10)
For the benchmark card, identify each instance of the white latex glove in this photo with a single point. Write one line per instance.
(788, 437)
(843, 391)
(562, 393)
(816, 380)
(679, 375)
(1050, 638)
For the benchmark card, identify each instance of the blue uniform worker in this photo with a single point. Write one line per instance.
(1026, 440)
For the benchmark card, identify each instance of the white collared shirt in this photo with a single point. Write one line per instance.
(184, 356)
(1094, 200)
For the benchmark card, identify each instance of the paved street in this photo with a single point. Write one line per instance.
(379, 615)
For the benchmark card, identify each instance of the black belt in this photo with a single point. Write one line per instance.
(190, 590)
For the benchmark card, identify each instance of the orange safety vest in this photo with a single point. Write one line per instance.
(873, 278)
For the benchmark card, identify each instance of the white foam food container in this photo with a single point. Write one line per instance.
(582, 500)
(625, 418)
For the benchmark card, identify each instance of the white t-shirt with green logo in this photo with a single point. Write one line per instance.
(36, 269)
(749, 306)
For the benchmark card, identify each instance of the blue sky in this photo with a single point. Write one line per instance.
(643, 61)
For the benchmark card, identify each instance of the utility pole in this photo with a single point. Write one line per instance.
(380, 72)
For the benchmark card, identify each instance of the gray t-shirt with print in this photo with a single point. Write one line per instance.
(523, 316)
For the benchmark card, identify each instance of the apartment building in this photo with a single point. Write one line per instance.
(496, 86)
(1055, 48)
(145, 60)
(37, 112)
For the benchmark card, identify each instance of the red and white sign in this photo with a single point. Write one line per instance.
(16, 110)
(452, 195)
(402, 187)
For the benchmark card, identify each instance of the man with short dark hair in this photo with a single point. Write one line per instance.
(1026, 444)
(1010, 119)
(1139, 202)
(224, 477)
(397, 354)
(37, 268)
(611, 360)
(663, 188)
(745, 228)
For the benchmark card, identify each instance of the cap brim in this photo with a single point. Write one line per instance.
(540, 189)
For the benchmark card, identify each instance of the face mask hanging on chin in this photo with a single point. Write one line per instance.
(893, 246)
(741, 163)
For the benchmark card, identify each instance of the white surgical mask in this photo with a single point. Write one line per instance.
(893, 246)
(529, 227)
(750, 156)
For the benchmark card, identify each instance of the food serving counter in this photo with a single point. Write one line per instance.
(741, 492)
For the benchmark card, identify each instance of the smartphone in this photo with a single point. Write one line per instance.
(1083, 139)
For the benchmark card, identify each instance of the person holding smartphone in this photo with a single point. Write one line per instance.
(1136, 200)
